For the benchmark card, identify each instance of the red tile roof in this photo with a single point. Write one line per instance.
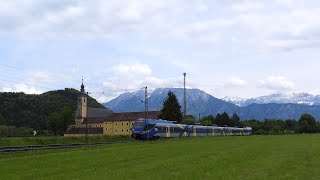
(126, 116)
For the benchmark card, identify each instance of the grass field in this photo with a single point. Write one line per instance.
(24, 141)
(254, 157)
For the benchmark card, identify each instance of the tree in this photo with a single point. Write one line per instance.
(217, 121)
(307, 124)
(54, 121)
(171, 109)
(3, 131)
(190, 120)
(235, 120)
(225, 120)
(291, 124)
(67, 117)
(207, 120)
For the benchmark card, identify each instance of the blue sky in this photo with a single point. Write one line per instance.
(227, 48)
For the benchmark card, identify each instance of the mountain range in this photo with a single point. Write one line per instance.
(279, 98)
(265, 107)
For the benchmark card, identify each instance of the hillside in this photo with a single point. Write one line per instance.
(200, 102)
(23, 110)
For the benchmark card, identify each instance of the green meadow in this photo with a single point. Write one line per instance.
(252, 157)
(26, 141)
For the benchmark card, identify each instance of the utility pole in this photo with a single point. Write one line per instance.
(185, 98)
(146, 107)
(86, 117)
(146, 103)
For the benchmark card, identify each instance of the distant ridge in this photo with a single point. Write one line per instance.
(279, 98)
(200, 102)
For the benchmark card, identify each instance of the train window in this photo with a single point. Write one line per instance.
(149, 126)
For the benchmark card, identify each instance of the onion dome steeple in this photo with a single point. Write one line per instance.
(82, 87)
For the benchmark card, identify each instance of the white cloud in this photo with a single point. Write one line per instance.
(277, 83)
(235, 82)
(131, 70)
(247, 6)
(22, 87)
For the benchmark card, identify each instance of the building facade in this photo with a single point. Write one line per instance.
(97, 122)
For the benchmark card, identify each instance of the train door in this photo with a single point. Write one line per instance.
(168, 131)
(194, 131)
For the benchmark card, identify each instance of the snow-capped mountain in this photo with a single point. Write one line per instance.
(235, 100)
(265, 107)
(197, 101)
(278, 98)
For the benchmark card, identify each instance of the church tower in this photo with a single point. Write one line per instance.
(82, 108)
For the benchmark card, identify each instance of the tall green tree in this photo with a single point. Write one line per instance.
(235, 120)
(171, 109)
(68, 117)
(225, 119)
(190, 120)
(54, 122)
(217, 121)
(207, 121)
(307, 124)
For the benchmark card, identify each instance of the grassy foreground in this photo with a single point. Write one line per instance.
(25, 141)
(255, 157)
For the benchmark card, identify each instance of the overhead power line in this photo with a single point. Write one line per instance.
(46, 74)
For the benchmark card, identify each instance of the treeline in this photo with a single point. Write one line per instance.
(32, 111)
(306, 124)
(12, 131)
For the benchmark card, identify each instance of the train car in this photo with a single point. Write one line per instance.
(144, 129)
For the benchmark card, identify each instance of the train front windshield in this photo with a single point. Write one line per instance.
(138, 124)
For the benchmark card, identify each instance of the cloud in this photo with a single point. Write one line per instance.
(243, 6)
(277, 83)
(22, 87)
(235, 82)
(131, 70)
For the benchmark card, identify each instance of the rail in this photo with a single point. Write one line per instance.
(6, 149)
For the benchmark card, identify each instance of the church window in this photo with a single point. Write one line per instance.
(84, 100)
(127, 123)
(122, 130)
(127, 130)
(100, 125)
(122, 124)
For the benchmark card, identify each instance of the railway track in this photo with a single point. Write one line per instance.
(7, 149)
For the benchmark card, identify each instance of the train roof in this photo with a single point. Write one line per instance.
(156, 121)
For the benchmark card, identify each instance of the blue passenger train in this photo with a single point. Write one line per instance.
(153, 129)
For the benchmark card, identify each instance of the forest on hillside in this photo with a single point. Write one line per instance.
(32, 111)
